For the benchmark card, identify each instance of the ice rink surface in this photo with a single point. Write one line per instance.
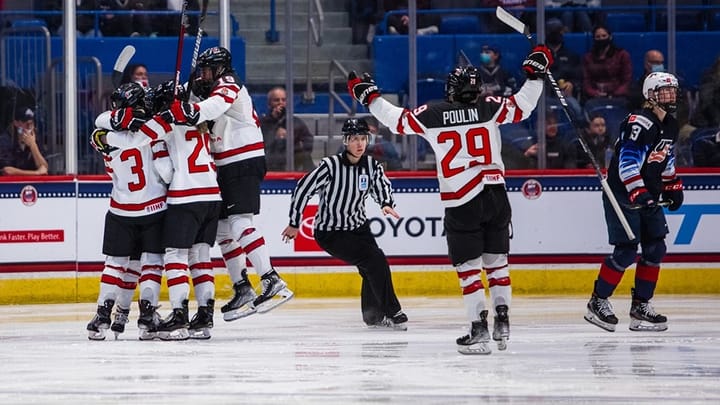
(318, 351)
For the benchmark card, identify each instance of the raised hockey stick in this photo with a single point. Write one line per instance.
(181, 39)
(196, 49)
(121, 63)
(520, 27)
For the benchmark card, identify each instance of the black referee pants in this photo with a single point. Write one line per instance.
(358, 248)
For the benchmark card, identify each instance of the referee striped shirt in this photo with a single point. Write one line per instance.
(342, 188)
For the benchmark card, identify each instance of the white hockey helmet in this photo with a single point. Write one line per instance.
(654, 82)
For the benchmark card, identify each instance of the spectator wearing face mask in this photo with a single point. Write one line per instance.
(607, 68)
(496, 81)
(654, 61)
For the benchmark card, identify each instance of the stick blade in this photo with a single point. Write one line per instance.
(124, 58)
(511, 21)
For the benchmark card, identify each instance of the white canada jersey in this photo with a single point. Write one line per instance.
(465, 137)
(236, 131)
(138, 187)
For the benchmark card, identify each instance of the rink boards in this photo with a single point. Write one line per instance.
(51, 238)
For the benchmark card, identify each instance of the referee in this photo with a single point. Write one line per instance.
(343, 183)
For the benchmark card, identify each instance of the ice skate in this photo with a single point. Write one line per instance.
(121, 318)
(202, 321)
(600, 313)
(476, 342)
(644, 318)
(273, 286)
(240, 305)
(148, 321)
(501, 327)
(175, 326)
(101, 321)
(396, 322)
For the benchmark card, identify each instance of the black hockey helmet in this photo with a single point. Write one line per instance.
(200, 88)
(355, 126)
(218, 59)
(128, 95)
(463, 85)
(161, 96)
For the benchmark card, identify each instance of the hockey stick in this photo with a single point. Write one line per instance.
(196, 49)
(121, 63)
(520, 27)
(181, 39)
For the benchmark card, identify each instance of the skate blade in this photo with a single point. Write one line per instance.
(177, 334)
(637, 325)
(200, 334)
(476, 348)
(401, 327)
(92, 335)
(145, 335)
(239, 313)
(603, 325)
(267, 306)
(502, 344)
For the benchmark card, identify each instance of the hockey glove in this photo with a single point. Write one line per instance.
(642, 198)
(184, 113)
(673, 191)
(538, 62)
(363, 90)
(99, 142)
(127, 119)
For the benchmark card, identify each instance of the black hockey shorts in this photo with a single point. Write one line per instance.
(240, 186)
(131, 236)
(187, 224)
(482, 225)
(647, 224)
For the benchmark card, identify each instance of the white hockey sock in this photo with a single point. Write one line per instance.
(151, 277)
(129, 283)
(201, 271)
(252, 242)
(469, 274)
(176, 271)
(498, 275)
(234, 257)
(111, 278)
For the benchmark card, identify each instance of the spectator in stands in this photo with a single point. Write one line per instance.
(598, 141)
(137, 73)
(20, 154)
(560, 153)
(123, 25)
(566, 70)
(169, 25)
(578, 20)
(607, 69)
(496, 81)
(654, 61)
(427, 23)
(706, 151)
(364, 15)
(381, 147)
(707, 113)
(276, 119)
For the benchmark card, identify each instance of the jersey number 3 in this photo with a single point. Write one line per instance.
(476, 142)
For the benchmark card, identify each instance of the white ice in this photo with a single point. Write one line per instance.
(318, 351)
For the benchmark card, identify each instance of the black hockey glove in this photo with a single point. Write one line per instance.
(642, 198)
(184, 113)
(363, 90)
(538, 62)
(673, 191)
(98, 140)
(127, 119)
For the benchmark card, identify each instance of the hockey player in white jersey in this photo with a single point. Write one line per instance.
(463, 131)
(133, 223)
(238, 149)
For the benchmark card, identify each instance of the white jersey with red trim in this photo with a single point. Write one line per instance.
(465, 137)
(236, 131)
(138, 186)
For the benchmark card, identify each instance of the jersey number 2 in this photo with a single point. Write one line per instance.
(477, 144)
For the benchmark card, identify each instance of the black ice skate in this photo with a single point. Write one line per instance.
(101, 321)
(600, 313)
(175, 326)
(476, 342)
(202, 321)
(395, 322)
(273, 286)
(240, 305)
(501, 327)
(121, 318)
(644, 318)
(149, 320)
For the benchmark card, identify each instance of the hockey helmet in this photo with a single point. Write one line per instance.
(128, 95)
(651, 90)
(463, 85)
(161, 96)
(355, 126)
(218, 59)
(200, 88)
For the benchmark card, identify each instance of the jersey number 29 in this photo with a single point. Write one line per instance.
(477, 144)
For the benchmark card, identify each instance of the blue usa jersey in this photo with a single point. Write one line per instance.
(644, 153)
